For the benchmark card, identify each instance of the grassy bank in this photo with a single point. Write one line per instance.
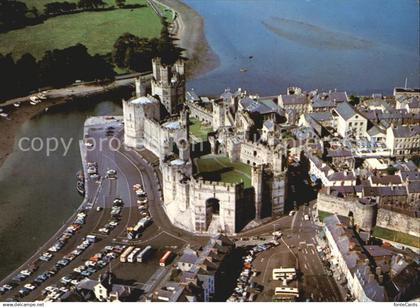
(396, 236)
(98, 31)
(323, 214)
(220, 168)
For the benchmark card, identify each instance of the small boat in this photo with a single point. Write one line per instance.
(243, 70)
(17, 104)
(4, 114)
(34, 100)
(251, 57)
(46, 109)
(41, 96)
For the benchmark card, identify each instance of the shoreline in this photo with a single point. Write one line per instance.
(18, 116)
(191, 37)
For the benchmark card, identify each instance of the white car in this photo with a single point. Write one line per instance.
(306, 217)
(29, 286)
(111, 173)
(26, 273)
(291, 213)
(104, 230)
(142, 202)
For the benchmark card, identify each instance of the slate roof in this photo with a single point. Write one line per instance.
(253, 106)
(406, 131)
(351, 252)
(385, 191)
(375, 130)
(321, 116)
(293, 99)
(414, 187)
(345, 110)
(339, 153)
(385, 180)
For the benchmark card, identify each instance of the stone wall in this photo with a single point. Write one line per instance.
(193, 198)
(398, 222)
(364, 215)
(200, 113)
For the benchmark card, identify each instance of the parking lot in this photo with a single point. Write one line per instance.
(112, 176)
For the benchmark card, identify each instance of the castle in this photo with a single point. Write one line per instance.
(160, 121)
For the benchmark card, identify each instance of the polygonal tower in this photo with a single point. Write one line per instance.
(168, 84)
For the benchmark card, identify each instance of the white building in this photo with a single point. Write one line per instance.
(403, 140)
(348, 258)
(350, 123)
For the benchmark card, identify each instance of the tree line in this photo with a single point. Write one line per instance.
(136, 54)
(56, 68)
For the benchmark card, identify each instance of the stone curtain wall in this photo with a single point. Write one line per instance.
(398, 222)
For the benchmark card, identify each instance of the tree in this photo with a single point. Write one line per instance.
(12, 14)
(354, 100)
(27, 71)
(120, 3)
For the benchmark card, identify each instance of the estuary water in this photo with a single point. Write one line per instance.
(37, 189)
(355, 45)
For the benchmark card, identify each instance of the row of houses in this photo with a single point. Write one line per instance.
(371, 272)
(199, 273)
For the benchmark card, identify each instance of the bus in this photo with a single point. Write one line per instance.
(142, 256)
(165, 258)
(132, 257)
(286, 293)
(128, 250)
(284, 273)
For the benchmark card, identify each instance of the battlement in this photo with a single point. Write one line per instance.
(227, 186)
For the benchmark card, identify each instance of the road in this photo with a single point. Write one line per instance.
(297, 249)
(132, 168)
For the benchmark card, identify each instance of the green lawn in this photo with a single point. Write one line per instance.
(96, 30)
(220, 168)
(323, 214)
(396, 236)
(199, 130)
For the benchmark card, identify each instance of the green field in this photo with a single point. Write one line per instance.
(220, 168)
(396, 236)
(96, 30)
(199, 130)
(323, 214)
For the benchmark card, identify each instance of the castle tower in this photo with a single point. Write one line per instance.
(135, 111)
(169, 84)
(257, 183)
(218, 115)
(140, 87)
